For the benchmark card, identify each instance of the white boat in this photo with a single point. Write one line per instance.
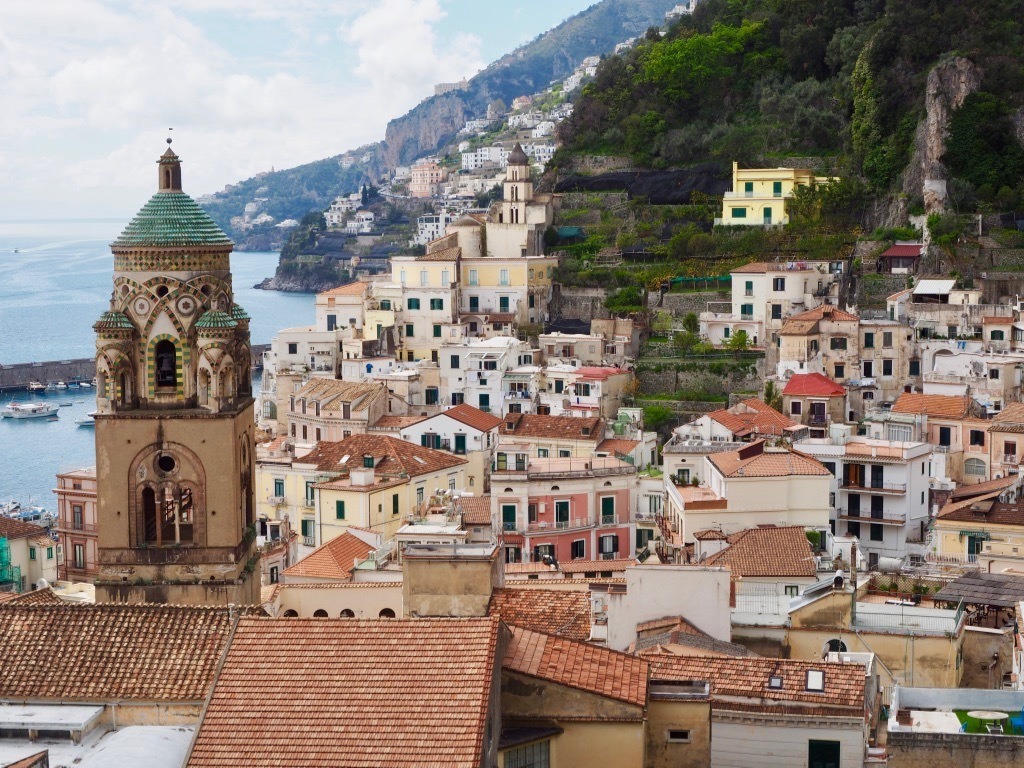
(10, 508)
(36, 386)
(85, 384)
(36, 514)
(28, 411)
(56, 386)
(88, 421)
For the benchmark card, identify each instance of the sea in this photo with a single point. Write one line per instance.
(55, 281)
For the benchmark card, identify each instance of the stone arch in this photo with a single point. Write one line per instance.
(182, 484)
(227, 378)
(181, 363)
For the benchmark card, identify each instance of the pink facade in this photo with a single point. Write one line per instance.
(570, 509)
(77, 527)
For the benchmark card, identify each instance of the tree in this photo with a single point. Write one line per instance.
(686, 341)
(738, 342)
(772, 395)
(364, 196)
(691, 322)
(656, 416)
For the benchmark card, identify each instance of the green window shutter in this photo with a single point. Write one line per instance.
(31, 553)
(437, 331)
(460, 443)
(408, 329)
(394, 504)
(777, 188)
(339, 510)
(49, 553)
(413, 303)
(739, 213)
(608, 506)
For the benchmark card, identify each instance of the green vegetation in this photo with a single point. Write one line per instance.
(656, 416)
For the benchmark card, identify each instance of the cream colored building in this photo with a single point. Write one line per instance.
(32, 556)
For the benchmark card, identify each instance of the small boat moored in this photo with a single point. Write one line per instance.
(36, 386)
(28, 411)
(88, 421)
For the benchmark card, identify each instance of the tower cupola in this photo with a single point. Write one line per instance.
(170, 171)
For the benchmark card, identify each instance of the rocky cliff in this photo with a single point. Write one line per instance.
(948, 84)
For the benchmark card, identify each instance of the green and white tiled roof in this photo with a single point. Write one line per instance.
(238, 313)
(215, 319)
(171, 220)
(113, 321)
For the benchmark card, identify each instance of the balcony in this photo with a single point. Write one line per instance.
(746, 316)
(560, 525)
(1010, 459)
(817, 419)
(611, 520)
(519, 394)
(73, 527)
(895, 488)
(309, 541)
(309, 503)
(277, 500)
(888, 518)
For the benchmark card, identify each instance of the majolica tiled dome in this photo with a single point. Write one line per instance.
(215, 319)
(113, 321)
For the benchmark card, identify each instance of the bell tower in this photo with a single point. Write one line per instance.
(174, 422)
(517, 188)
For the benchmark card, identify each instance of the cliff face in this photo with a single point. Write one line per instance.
(425, 128)
(949, 83)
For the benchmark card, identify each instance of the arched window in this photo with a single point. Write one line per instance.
(386, 613)
(204, 387)
(166, 364)
(149, 515)
(125, 386)
(834, 646)
(974, 467)
(319, 613)
(289, 614)
(348, 613)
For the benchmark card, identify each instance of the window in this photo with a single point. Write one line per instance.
(561, 513)
(840, 371)
(830, 466)
(792, 590)
(542, 453)
(78, 554)
(293, 349)
(977, 437)
(409, 329)
(76, 516)
(945, 436)
(887, 367)
(309, 493)
(996, 336)
(609, 545)
(485, 402)
(775, 682)
(746, 310)
(446, 277)
(563, 453)
(401, 277)
(339, 510)
(778, 283)
(796, 407)
(473, 278)
(385, 303)
(412, 304)
(508, 517)
(776, 189)
(837, 342)
(776, 311)
(915, 367)
(31, 553)
(869, 341)
(993, 373)
(868, 395)
(437, 331)
(748, 288)
(424, 277)
(739, 213)
(823, 754)
(815, 680)
(437, 304)
(726, 331)
(307, 526)
(887, 339)
(579, 549)
(677, 736)
(394, 504)
(607, 510)
(455, 361)
(503, 277)
(876, 532)
(503, 303)
(529, 756)
(332, 322)
(868, 368)
(974, 467)
(419, 495)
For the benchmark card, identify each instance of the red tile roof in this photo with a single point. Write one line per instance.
(752, 416)
(18, 529)
(942, 406)
(385, 693)
(812, 385)
(476, 510)
(36, 597)
(561, 612)
(391, 455)
(898, 251)
(747, 678)
(332, 560)
(767, 552)
(618, 445)
(826, 312)
(983, 511)
(618, 564)
(473, 417)
(599, 373)
(396, 422)
(352, 289)
(1012, 414)
(558, 427)
(74, 652)
(750, 462)
(578, 665)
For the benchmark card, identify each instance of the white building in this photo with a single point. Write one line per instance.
(431, 226)
(481, 157)
(472, 371)
(879, 491)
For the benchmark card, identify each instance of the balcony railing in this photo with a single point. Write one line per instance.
(72, 526)
(1010, 458)
(519, 393)
(276, 499)
(863, 517)
(610, 520)
(746, 316)
(561, 525)
(309, 541)
(817, 419)
(878, 487)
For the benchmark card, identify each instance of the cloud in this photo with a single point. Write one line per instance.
(246, 84)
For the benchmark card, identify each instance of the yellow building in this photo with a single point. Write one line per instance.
(758, 196)
(983, 530)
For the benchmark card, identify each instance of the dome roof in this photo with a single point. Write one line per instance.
(238, 313)
(171, 220)
(215, 319)
(517, 156)
(110, 321)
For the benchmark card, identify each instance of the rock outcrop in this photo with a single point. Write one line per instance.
(949, 83)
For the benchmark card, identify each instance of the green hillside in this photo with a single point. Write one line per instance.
(842, 81)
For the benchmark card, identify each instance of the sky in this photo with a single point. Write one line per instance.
(89, 88)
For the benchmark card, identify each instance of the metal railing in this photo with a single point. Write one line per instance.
(871, 486)
(1010, 458)
(276, 499)
(864, 517)
(561, 525)
(73, 526)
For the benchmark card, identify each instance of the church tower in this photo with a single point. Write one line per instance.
(517, 189)
(174, 422)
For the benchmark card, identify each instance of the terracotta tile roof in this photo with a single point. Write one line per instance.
(710, 534)
(812, 385)
(767, 552)
(476, 510)
(17, 529)
(752, 416)
(954, 505)
(75, 652)
(896, 295)
(501, 317)
(386, 693)
(599, 373)
(748, 677)
(331, 393)
(396, 422)
(555, 427)
(473, 417)
(749, 462)
(351, 289)
(942, 406)
(680, 636)
(36, 597)
(618, 445)
(984, 511)
(902, 250)
(561, 612)
(331, 560)
(6, 597)
(997, 321)
(977, 489)
(1013, 413)
(346, 484)
(578, 665)
(826, 312)
(798, 327)
(757, 267)
(445, 254)
(391, 455)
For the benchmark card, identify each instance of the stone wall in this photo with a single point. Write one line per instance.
(19, 375)
(679, 304)
(987, 655)
(578, 304)
(694, 377)
(953, 750)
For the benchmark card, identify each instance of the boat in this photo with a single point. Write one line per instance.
(36, 514)
(88, 421)
(85, 384)
(28, 411)
(36, 386)
(10, 507)
(66, 404)
(56, 386)
(72, 384)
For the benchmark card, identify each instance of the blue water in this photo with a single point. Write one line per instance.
(51, 292)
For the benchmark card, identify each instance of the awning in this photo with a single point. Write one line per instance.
(976, 534)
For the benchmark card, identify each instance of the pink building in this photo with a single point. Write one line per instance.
(568, 509)
(427, 179)
(76, 525)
